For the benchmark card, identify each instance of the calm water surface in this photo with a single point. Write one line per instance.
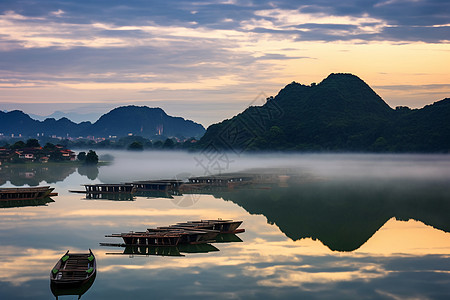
(337, 227)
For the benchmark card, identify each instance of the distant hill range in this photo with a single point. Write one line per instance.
(73, 116)
(342, 113)
(122, 121)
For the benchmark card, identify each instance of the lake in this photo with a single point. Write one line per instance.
(329, 226)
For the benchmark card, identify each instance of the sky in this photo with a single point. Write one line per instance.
(209, 60)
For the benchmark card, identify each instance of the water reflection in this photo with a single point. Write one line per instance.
(76, 291)
(33, 175)
(24, 203)
(283, 256)
(344, 215)
(132, 250)
(110, 197)
(90, 171)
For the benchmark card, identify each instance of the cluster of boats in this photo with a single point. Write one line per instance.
(191, 232)
(74, 273)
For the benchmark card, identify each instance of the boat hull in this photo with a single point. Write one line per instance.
(223, 226)
(73, 270)
(26, 193)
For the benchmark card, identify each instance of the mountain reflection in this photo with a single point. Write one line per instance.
(343, 215)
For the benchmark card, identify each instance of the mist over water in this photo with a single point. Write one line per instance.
(164, 165)
(329, 226)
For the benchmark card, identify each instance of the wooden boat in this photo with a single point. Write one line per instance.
(76, 290)
(163, 250)
(73, 270)
(223, 226)
(120, 188)
(157, 185)
(166, 237)
(27, 193)
(190, 235)
(24, 203)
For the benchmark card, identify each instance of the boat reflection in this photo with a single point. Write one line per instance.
(227, 238)
(25, 203)
(110, 197)
(178, 250)
(165, 250)
(76, 291)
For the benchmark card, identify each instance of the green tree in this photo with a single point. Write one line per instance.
(91, 158)
(136, 146)
(81, 156)
(380, 144)
(18, 145)
(157, 145)
(169, 144)
(49, 146)
(32, 143)
(55, 155)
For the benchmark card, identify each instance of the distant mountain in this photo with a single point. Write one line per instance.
(342, 113)
(121, 121)
(143, 121)
(16, 122)
(73, 116)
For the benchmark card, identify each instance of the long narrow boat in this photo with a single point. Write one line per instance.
(104, 188)
(27, 193)
(189, 235)
(223, 226)
(166, 237)
(73, 270)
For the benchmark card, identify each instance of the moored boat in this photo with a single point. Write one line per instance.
(223, 226)
(27, 193)
(166, 237)
(73, 270)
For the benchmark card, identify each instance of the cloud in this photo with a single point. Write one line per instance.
(238, 47)
(78, 18)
